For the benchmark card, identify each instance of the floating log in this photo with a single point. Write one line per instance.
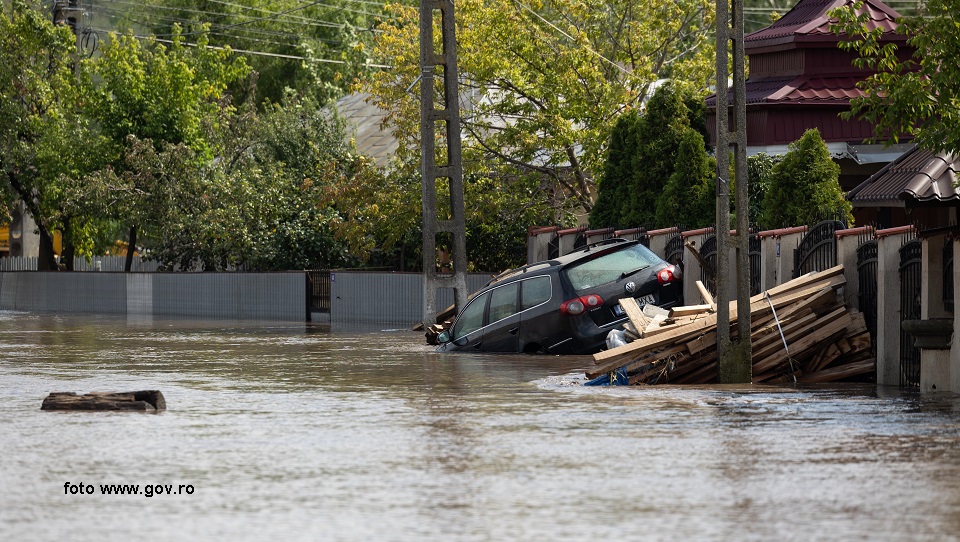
(142, 401)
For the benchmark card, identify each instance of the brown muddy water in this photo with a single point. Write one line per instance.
(278, 432)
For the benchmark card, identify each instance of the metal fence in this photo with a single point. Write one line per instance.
(911, 256)
(818, 248)
(100, 263)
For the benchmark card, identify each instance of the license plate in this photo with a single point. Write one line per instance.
(641, 301)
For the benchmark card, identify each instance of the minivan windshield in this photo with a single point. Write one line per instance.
(610, 267)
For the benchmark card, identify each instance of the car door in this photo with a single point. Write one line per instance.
(467, 331)
(503, 328)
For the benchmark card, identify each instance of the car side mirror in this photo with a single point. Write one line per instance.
(443, 337)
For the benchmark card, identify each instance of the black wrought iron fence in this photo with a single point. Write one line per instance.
(948, 275)
(910, 281)
(867, 279)
(818, 248)
(708, 272)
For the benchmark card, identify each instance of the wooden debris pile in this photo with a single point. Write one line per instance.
(800, 331)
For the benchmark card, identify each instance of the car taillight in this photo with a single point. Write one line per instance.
(581, 304)
(668, 274)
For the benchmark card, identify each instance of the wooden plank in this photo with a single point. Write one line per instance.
(632, 309)
(688, 310)
(705, 294)
(795, 332)
(690, 330)
(636, 363)
(840, 372)
(800, 349)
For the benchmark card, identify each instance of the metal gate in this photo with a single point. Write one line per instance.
(708, 272)
(948, 274)
(867, 296)
(319, 282)
(754, 252)
(818, 249)
(673, 252)
(910, 280)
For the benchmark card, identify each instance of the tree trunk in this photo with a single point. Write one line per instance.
(47, 260)
(131, 246)
(69, 250)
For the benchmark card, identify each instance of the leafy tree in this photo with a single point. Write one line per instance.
(689, 196)
(614, 185)
(543, 99)
(804, 186)
(759, 171)
(42, 119)
(317, 49)
(916, 96)
(665, 121)
(645, 152)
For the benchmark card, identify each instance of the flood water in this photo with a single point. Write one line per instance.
(292, 432)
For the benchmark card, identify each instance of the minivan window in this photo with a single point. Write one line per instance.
(503, 302)
(471, 319)
(610, 267)
(534, 292)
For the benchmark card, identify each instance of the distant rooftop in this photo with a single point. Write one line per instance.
(808, 23)
(363, 123)
(918, 175)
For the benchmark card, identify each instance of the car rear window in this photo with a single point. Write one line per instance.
(610, 267)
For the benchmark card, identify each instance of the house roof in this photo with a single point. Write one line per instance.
(800, 90)
(808, 22)
(918, 176)
(364, 120)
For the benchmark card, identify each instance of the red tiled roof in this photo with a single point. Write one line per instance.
(918, 175)
(800, 90)
(808, 22)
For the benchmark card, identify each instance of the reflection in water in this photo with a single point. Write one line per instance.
(303, 433)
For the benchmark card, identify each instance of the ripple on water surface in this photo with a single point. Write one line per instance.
(301, 433)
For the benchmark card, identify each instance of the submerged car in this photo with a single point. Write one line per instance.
(567, 305)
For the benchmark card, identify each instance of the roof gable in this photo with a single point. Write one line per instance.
(808, 22)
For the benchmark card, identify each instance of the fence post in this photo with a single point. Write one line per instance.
(538, 243)
(847, 242)
(889, 242)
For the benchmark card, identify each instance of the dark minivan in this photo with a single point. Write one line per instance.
(567, 305)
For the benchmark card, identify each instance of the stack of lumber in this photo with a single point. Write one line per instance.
(800, 331)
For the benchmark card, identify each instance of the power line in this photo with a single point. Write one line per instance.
(258, 53)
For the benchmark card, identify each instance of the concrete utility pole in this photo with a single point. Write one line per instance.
(735, 363)
(453, 222)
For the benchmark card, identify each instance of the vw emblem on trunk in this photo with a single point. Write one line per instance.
(631, 287)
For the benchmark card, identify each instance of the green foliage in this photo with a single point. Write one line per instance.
(654, 173)
(917, 97)
(41, 118)
(145, 135)
(618, 171)
(689, 197)
(804, 186)
(545, 81)
(318, 49)
(759, 172)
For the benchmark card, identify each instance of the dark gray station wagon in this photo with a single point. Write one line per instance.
(563, 306)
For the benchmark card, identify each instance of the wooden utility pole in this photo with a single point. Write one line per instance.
(735, 363)
(451, 173)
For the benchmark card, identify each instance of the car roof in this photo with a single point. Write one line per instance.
(589, 251)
